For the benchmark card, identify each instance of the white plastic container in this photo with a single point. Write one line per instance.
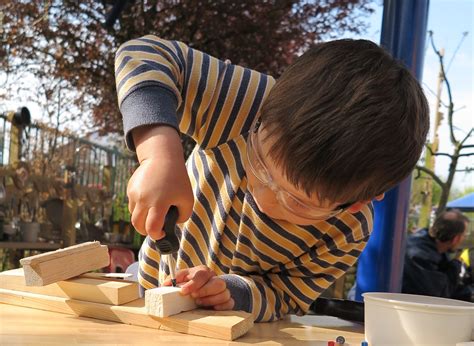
(404, 319)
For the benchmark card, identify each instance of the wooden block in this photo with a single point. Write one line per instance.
(63, 264)
(226, 325)
(81, 288)
(48, 256)
(167, 301)
(100, 291)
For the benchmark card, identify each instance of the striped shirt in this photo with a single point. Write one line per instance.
(271, 267)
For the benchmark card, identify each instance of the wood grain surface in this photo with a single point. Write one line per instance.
(24, 326)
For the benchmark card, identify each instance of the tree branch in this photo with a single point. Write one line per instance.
(448, 87)
(469, 154)
(432, 174)
(428, 146)
(443, 154)
(437, 154)
(465, 139)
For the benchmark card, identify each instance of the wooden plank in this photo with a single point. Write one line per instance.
(100, 291)
(226, 325)
(80, 288)
(65, 263)
(167, 301)
(48, 256)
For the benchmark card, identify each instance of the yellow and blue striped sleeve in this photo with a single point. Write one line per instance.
(148, 266)
(292, 288)
(162, 82)
(152, 272)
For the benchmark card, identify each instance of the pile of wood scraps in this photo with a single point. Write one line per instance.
(51, 282)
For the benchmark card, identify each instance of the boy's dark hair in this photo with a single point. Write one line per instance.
(448, 224)
(350, 121)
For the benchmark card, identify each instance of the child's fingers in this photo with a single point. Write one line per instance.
(138, 219)
(154, 222)
(228, 305)
(131, 206)
(199, 274)
(199, 279)
(180, 277)
(192, 272)
(185, 209)
(217, 299)
(214, 286)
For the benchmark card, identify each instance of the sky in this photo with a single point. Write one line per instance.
(448, 19)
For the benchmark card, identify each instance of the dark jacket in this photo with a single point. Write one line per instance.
(428, 272)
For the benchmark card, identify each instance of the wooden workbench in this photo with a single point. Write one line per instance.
(19, 325)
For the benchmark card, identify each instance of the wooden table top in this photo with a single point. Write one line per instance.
(20, 326)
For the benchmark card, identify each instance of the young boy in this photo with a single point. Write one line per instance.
(274, 202)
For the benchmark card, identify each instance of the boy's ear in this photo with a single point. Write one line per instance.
(380, 197)
(354, 208)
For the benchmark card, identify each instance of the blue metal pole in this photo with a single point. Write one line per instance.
(380, 266)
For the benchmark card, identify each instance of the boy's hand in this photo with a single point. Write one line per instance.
(203, 285)
(159, 182)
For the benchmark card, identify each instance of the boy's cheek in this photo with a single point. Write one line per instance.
(265, 198)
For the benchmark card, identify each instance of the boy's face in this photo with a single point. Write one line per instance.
(272, 192)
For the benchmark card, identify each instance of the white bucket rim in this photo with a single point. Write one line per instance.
(437, 303)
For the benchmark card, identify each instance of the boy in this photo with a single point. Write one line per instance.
(274, 202)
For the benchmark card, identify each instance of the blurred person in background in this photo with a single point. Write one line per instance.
(432, 263)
